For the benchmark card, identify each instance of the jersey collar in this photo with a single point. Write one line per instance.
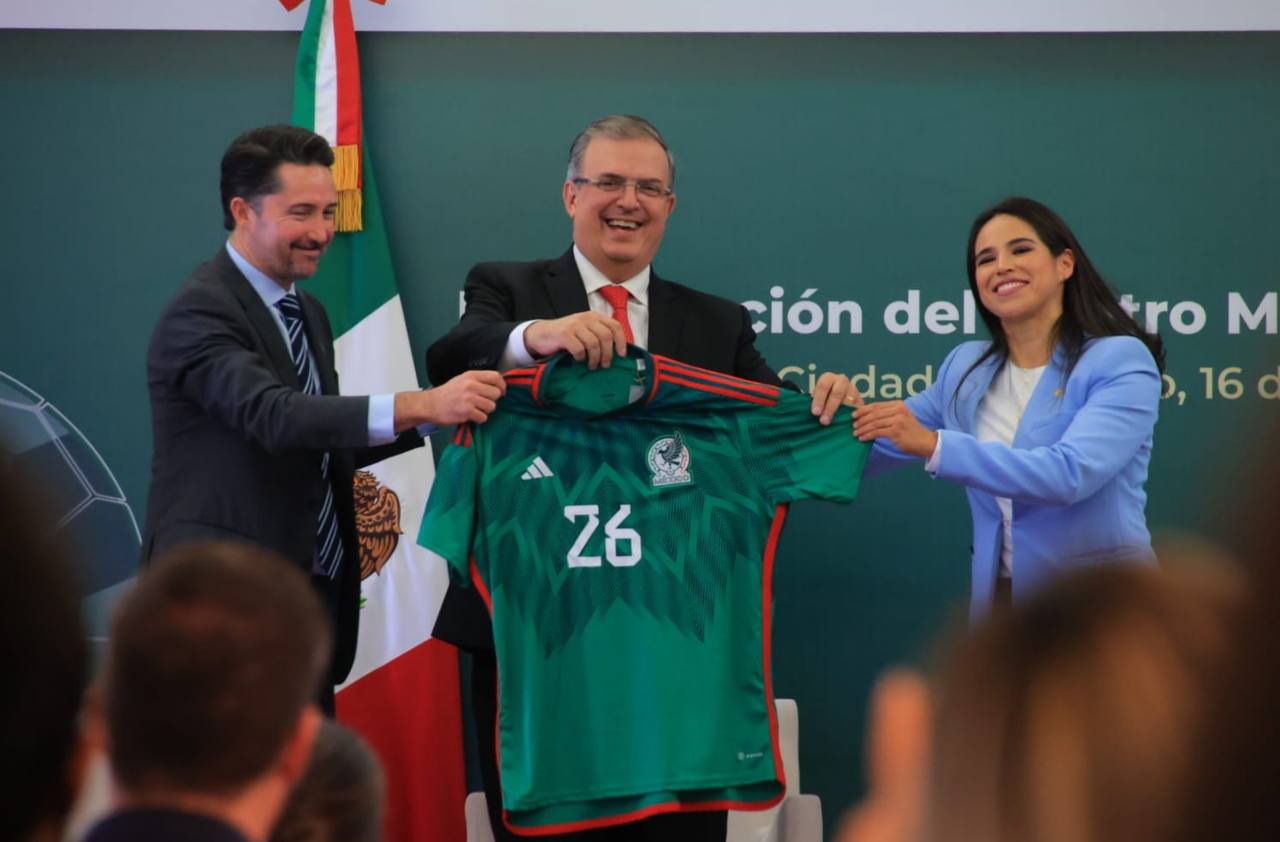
(646, 380)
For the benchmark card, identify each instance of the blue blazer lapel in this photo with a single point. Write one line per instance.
(972, 391)
(1046, 398)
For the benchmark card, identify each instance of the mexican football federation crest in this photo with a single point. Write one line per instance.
(669, 461)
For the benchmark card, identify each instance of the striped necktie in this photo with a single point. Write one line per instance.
(328, 557)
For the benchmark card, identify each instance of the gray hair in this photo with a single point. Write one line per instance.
(616, 127)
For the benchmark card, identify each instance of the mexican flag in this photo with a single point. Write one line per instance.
(402, 694)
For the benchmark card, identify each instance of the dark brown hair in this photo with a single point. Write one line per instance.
(250, 166)
(1089, 306)
(213, 656)
(340, 796)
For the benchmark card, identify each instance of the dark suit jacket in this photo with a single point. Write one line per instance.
(159, 825)
(236, 443)
(700, 329)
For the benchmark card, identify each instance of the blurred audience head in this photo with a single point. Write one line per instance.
(340, 796)
(46, 661)
(1071, 717)
(1238, 763)
(213, 663)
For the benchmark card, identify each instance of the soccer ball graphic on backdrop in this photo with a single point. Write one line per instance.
(93, 516)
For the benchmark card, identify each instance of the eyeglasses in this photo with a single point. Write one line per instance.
(611, 184)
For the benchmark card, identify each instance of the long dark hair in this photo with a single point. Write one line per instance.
(1089, 306)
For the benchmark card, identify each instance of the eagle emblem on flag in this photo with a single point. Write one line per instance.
(377, 523)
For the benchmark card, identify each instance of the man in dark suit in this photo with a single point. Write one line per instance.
(590, 302)
(251, 440)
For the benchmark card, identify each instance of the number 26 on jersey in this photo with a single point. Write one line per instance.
(615, 537)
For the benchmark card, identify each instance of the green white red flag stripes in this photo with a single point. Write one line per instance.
(402, 694)
(327, 90)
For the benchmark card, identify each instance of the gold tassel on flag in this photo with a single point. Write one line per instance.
(350, 215)
(346, 167)
(346, 177)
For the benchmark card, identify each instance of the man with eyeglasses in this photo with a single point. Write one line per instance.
(619, 192)
(591, 302)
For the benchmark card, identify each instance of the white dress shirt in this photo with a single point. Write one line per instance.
(997, 419)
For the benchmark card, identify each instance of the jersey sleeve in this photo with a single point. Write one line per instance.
(798, 458)
(449, 520)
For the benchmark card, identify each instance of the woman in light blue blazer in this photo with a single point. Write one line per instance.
(1047, 426)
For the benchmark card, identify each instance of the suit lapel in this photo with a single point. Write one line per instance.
(564, 286)
(1046, 398)
(262, 322)
(567, 295)
(972, 391)
(666, 320)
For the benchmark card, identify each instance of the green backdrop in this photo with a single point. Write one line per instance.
(846, 165)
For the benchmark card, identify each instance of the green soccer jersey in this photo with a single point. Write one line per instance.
(621, 524)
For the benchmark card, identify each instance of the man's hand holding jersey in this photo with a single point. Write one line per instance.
(587, 336)
(597, 339)
(470, 396)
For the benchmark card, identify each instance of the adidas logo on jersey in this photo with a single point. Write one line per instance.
(537, 470)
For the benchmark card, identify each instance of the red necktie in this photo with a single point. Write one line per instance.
(617, 297)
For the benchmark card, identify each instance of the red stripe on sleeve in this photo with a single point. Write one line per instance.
(537, 384)
(463, 434)
(728, 393)
(653, 390)
(684, 369)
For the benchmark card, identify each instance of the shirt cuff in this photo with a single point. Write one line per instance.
(931, 465)
(516, 354)
(382, 419)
